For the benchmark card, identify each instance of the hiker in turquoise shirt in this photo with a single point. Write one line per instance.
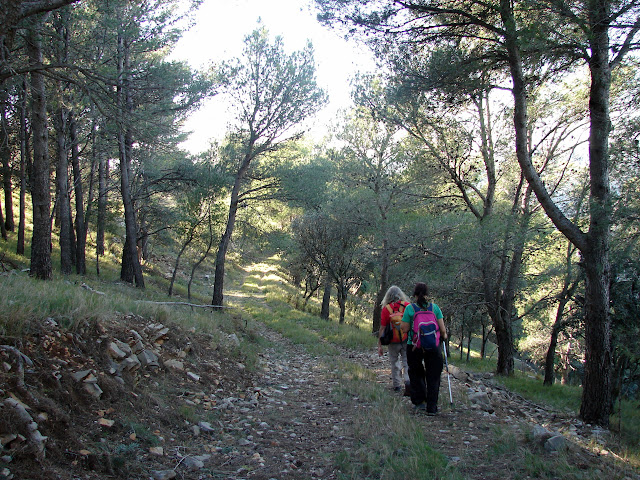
(425, 366)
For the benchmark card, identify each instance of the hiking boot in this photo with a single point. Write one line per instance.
(420, 408)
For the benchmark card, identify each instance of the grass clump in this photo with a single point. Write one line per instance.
(561, 397)
(625, 422)
(24, 300)
(342, 335)
(142, 434)
(504, 443)
(541, 466)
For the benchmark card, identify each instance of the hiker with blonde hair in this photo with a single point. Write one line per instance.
(393, 305)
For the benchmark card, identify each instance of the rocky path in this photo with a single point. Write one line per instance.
(295, 427)
(287, 427)
(290, 428)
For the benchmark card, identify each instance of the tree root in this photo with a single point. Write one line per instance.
(18, 359)
(27, 427)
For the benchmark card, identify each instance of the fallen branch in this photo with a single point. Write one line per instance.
(184, 303)
(4, 260)
(87, 287)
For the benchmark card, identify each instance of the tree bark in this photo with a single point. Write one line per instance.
(500, 318)
(202, 257)
(103, 174)
(80, 227)
(225, 240)
(549, 362)
(5, 158)
(61, 124)
(24, 154)
(515, 242)
(485, 338)
(41, 267)
(342, 301)
(223, 247)
(597, 385)
(130, 270)
(62, 190)
(384, 285)
(504, 340)
(326, 298)
(594, 246)
(3, 230)
(565, 295)
(566, 365)
(188, 240)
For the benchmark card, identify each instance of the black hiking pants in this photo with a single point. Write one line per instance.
(425, 367)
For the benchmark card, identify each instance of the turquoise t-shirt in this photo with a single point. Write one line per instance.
(409, 312)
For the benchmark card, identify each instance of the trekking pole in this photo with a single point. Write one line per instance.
(448, 378)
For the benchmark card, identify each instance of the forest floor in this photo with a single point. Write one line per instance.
(199, 413)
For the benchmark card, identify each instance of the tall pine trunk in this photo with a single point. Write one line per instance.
(496, 276)
(594, 246)
(41, 267)
(24, 158)
(5, 158)
(597, 385)
(62, 190)
(225, 240)
(342, 301)
(103, 175)
(500, 319)
(4, 154)
(130, 269)
(80, 227)
(549, 362)
(223, 247)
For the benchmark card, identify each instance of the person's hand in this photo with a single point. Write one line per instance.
(380, 351)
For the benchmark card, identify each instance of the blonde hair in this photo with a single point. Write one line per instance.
(394, 294)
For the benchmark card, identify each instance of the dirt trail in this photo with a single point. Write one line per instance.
(482, 440)
(295, 429)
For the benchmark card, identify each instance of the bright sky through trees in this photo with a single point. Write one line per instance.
(219, 32)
